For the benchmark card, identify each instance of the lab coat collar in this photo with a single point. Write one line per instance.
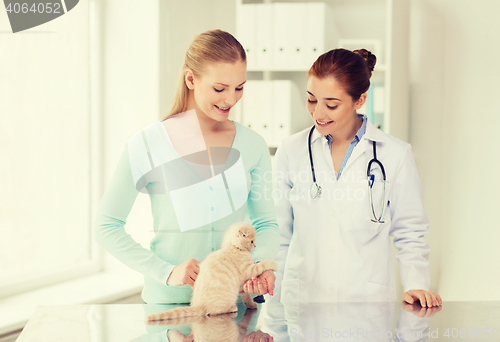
(316, 135)
(372, 133)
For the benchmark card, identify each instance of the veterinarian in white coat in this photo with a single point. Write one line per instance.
(335, 246)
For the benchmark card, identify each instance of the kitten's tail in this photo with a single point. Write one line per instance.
(185, 311)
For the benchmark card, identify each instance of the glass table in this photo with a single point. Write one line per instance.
(464, 321)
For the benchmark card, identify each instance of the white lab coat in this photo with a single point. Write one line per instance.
(330, 249)
(367, 322)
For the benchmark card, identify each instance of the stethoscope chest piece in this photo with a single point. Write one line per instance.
(315, 190)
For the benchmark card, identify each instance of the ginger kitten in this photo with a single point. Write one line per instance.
(222, 276)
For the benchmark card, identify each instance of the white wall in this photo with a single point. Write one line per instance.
(180, 21)
(455, 118)
(130, 97)
(44, 150)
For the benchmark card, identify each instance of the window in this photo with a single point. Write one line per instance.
(47, 153)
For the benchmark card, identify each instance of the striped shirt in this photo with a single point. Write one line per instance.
(352, 145)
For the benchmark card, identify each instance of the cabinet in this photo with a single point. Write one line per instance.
(283, 39)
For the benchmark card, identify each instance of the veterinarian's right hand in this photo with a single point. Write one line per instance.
(258, 336)
(184, 273)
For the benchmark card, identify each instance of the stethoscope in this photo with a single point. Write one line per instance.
(315, 189)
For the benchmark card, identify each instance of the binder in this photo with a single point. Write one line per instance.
(285, 35)
(282, 111)
(315, 31)
(249, 110)
(281, 33)
(264, 35)
(257, 108)
(297, 34)
(265, 121)
(290, 114)
(246, 34)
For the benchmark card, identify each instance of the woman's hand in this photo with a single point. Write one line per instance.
(185, 273)
(427, 299)
(262, 284)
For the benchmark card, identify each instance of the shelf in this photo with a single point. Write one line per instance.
(383, 31)
(278, 68)
(381, 67)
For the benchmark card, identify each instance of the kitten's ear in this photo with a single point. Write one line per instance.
(244, 232)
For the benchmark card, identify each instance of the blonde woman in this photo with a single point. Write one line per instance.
(202, 172)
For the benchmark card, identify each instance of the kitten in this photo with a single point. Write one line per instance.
(222, 275)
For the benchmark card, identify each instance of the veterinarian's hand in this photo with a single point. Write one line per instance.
(258, 336)
(177, 336)
(184, 273)
(427, 299)
(262, 284)
(419, 311)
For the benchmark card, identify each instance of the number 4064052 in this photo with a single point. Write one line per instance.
(474, 333)
(35, 8)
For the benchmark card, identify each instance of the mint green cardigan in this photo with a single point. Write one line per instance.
(171, 246)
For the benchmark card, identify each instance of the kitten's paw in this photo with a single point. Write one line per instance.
(251, 305)
(271, 265)
(233, 308)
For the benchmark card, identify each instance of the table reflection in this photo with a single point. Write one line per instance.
(466, 321)
(346, 321)
(232, 327)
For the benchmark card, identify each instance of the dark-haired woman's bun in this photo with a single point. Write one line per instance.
(369, 58)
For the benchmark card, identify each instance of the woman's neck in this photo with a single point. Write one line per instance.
(207, 124)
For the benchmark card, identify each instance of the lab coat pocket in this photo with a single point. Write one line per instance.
(366, 232)
(363, 236)
(290, 291)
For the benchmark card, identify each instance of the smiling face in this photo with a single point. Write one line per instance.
(332, 109)
(217, 90)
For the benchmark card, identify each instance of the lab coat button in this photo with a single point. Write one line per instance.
(333, 288)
